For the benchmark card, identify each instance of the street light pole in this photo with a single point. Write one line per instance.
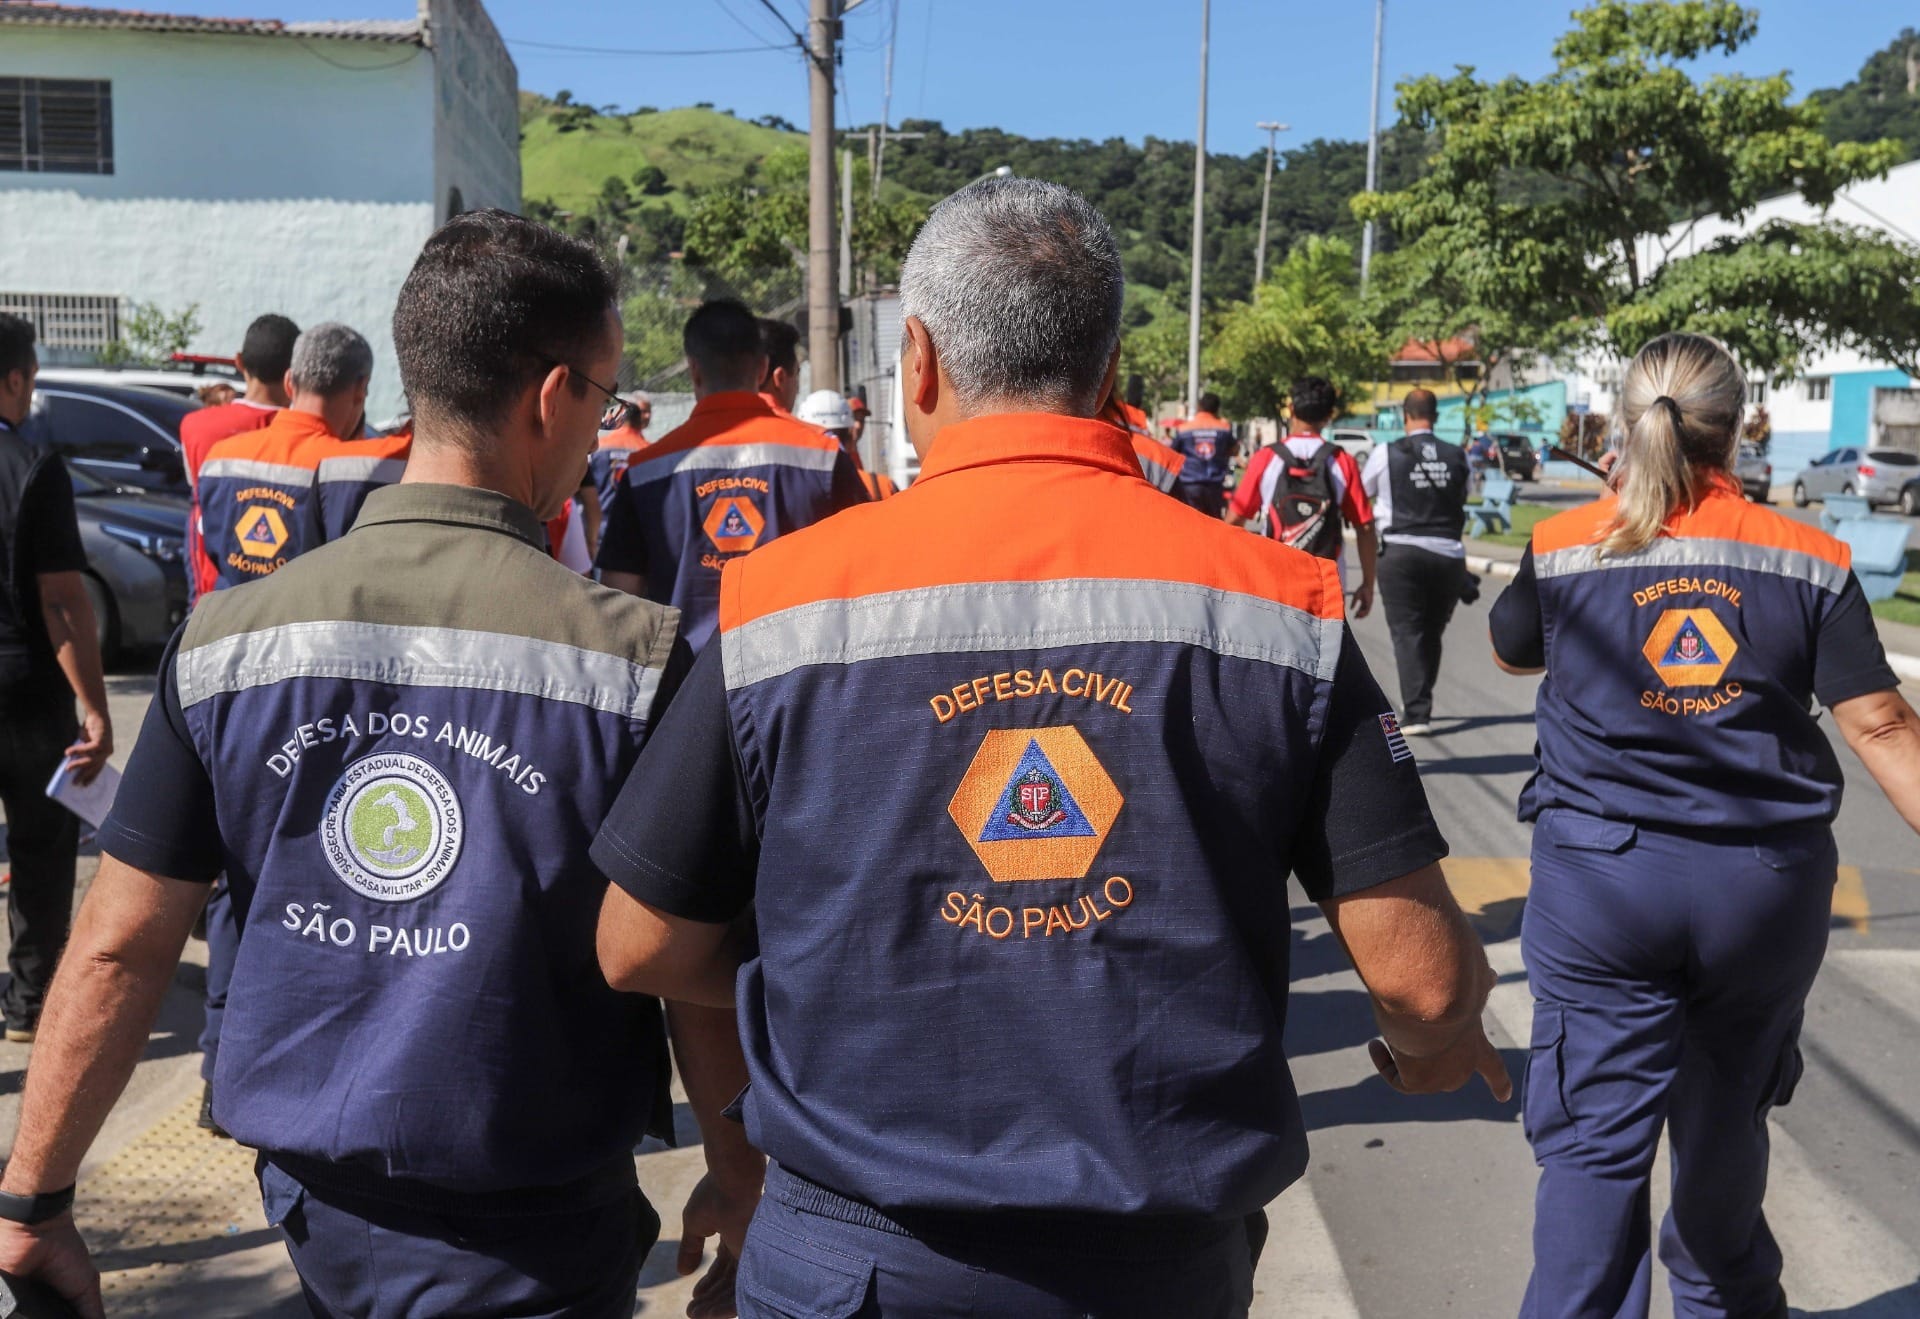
(1373, 136)
(1199, 219)
(823, 285)
(1266, 198)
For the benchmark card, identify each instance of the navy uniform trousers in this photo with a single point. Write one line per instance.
(816, 1254)
(360, 1258)
(1669, 972)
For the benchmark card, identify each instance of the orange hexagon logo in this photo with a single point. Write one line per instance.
(1035, 804)
(1690, 648)
(261, 532)
(734, 525)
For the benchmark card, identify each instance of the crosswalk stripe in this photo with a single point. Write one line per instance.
(1300, 1274)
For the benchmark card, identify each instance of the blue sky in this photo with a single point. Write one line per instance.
(1081, 68)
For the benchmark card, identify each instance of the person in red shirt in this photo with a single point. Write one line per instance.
(1310, 490)
(264, 356)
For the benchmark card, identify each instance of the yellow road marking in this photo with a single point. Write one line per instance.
(1492, 890)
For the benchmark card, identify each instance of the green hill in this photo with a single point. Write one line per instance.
(568, 152)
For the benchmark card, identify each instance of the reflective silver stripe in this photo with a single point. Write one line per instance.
(417, 657)
(731, 458)
(1159, 476)
(248, 469)
(1688, 552)
(383, 470)
(1025, 616)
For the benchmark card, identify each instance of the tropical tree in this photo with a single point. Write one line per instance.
(1562, 210)
(1305, 320)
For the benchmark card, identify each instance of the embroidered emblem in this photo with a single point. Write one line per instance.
(1396, 740)
(261, 532)
(734, 525)
(1035, 804)
(1690, 648)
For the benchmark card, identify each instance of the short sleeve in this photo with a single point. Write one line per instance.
(1355, 506)
(49, 531)
(163, 819)
(1246, 495)
(681, 836)
(1848, 657)
(1375, 469)
(1368, 820)
(1519, 637)
(623, 541)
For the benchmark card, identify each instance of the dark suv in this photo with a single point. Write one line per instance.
(120, 434)
(1518, 454)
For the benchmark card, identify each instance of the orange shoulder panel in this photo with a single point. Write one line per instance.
(1724, 515)
(1575, 527)
(1020, 522)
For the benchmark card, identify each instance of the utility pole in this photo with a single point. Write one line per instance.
(1266, 199)
(1199, 219)
(886, 102)
(1373, 136)
(823, 284)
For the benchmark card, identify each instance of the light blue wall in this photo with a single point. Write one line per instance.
(1547, 402)
(1789, 451)
(1853, 404)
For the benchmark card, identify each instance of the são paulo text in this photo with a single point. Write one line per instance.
(380, 723)
(320, 925)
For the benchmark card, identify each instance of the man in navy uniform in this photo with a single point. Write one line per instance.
(398, 748)
(1014, 813)
(1207, 443)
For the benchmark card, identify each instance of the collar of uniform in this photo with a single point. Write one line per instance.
(1013, 437)
(733, 403)
(286, 421)
(454, 505)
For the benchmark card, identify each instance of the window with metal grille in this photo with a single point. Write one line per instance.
(67, 320)
(56, 125)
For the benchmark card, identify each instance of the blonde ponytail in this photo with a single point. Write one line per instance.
(1681, 401)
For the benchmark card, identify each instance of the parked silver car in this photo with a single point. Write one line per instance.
(1754, 472)
(1876, 473)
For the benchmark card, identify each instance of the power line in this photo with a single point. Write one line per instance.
(781, 19)
(621, 50)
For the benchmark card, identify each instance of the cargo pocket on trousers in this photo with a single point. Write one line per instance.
(1589, 833)
(784, 1277)
(1786, 1072)
(1544, 1116)
(280, 1197)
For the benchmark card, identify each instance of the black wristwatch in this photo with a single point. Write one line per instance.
(31, 1209)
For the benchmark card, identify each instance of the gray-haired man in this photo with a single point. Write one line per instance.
(1014, 812)
(259, 501)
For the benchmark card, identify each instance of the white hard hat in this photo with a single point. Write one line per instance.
(827, 409)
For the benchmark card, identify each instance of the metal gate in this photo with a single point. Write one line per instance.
(1896, 419)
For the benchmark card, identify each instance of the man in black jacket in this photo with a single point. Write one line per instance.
(1418, 485)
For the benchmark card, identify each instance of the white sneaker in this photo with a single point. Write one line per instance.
(1416, 730)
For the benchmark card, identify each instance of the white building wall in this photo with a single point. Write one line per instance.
(476, 109)
(257, 174)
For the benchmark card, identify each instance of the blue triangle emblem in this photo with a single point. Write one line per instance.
(260, 532)
(733, 524)
(1036, 804)
(1689, 647)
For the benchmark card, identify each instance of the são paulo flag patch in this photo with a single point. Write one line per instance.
(1396, 740)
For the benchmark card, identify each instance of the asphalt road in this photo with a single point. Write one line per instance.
(1428, 1202)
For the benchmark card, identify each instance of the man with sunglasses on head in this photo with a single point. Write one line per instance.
(398, 748)
(739, 473)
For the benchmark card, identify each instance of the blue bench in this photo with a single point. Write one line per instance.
(1879, 552)
(1494, 512)
(1835, 509)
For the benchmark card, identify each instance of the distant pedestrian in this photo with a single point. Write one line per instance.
(1207, 443)
(623, 432)
(737, 474)
(780, 382)
(1308, 490)
(1161, 464)
(1418, 485)
(833, 413)
(265, 354)
(49, 656)
(1683, 850)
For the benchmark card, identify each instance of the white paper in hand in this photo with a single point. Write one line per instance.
(90, 803)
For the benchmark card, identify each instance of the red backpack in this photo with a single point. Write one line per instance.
(1299, 498)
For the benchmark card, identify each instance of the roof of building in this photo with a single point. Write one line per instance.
(51, 13)
(1449, 350)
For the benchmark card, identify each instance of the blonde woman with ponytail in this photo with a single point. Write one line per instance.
(1683, 854)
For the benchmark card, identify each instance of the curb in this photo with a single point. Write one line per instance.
(1490, 567)
(1906, 667)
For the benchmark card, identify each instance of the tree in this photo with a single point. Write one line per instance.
(1303, 321)
(1562, 206)
(149, 336)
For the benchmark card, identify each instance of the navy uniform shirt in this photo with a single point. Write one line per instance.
(1015, 808)
(1680, 679)
(398, 748)
(1207, 443)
